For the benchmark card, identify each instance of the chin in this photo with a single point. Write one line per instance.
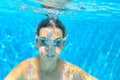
(49, 58)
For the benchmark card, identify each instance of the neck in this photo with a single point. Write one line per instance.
(48, 65)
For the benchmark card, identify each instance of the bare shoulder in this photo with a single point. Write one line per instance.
(19, 70)
(78, 72)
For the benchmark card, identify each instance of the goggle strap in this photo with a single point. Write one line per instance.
(36, 37)
(65, 38)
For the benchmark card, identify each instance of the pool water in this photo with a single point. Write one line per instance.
(93, 41)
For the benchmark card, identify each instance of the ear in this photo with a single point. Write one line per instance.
(63, 44)
(36, 42)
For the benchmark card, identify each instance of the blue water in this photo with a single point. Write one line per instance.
(93, 41)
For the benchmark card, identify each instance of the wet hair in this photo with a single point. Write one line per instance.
(46, 23)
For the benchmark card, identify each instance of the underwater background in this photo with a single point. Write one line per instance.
(93, 30)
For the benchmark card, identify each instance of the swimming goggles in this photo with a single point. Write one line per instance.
(46, 42)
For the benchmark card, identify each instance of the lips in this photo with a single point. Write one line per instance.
(50, 56)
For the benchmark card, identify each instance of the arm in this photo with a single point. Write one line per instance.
(75, 73)
(85, 76)
(17, 72)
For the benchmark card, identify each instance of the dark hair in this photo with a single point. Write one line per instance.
(45, 23)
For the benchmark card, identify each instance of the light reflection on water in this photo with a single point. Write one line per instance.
(93, 42)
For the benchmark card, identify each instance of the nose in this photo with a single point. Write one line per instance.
(50, 43)
(50, 46)
(50, 49)
(50, 52)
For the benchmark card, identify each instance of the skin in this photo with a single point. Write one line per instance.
(46, 68)
(50, 65)
(44, 65)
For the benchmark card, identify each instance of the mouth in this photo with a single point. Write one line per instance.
(50, 56)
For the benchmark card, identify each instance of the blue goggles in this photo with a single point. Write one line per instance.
(46, 42)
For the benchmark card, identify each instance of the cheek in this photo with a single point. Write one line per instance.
(42, 50)
(57, 50)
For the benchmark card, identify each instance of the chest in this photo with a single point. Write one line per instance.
(51, 76)
(42, 77)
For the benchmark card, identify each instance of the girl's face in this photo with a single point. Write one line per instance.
(50, 42)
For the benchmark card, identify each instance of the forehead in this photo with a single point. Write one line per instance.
(56, 32)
